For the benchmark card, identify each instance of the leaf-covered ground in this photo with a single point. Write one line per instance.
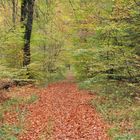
(61, 112)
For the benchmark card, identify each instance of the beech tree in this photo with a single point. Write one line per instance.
(27, 11)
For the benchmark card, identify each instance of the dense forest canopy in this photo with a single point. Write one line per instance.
(99, 39)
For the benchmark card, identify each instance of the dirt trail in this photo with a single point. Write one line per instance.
(63, 113)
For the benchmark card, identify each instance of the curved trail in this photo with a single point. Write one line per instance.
(63, 113)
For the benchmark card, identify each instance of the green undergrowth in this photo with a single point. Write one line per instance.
(117, 103)
(119, 109)
(42, 78)
(12, 105)
(122, 114)
(9, 132)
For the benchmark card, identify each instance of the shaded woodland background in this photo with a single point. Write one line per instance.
(100, 40)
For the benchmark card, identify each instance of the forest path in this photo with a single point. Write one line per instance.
(63, 113)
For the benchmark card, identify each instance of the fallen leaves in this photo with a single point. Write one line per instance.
(62, 112)
(71, 117)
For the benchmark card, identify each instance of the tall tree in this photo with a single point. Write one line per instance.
(14, 12)
(27, 11)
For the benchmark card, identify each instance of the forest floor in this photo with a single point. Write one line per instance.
(58, 112)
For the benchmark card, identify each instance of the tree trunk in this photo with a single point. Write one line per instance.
(23, 10)
(14, 12)
(27, 11)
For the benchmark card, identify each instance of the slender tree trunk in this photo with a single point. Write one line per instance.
(23, 10)
(14, 12)
(27, 11)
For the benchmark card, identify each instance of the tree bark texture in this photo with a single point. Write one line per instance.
(27, 11)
